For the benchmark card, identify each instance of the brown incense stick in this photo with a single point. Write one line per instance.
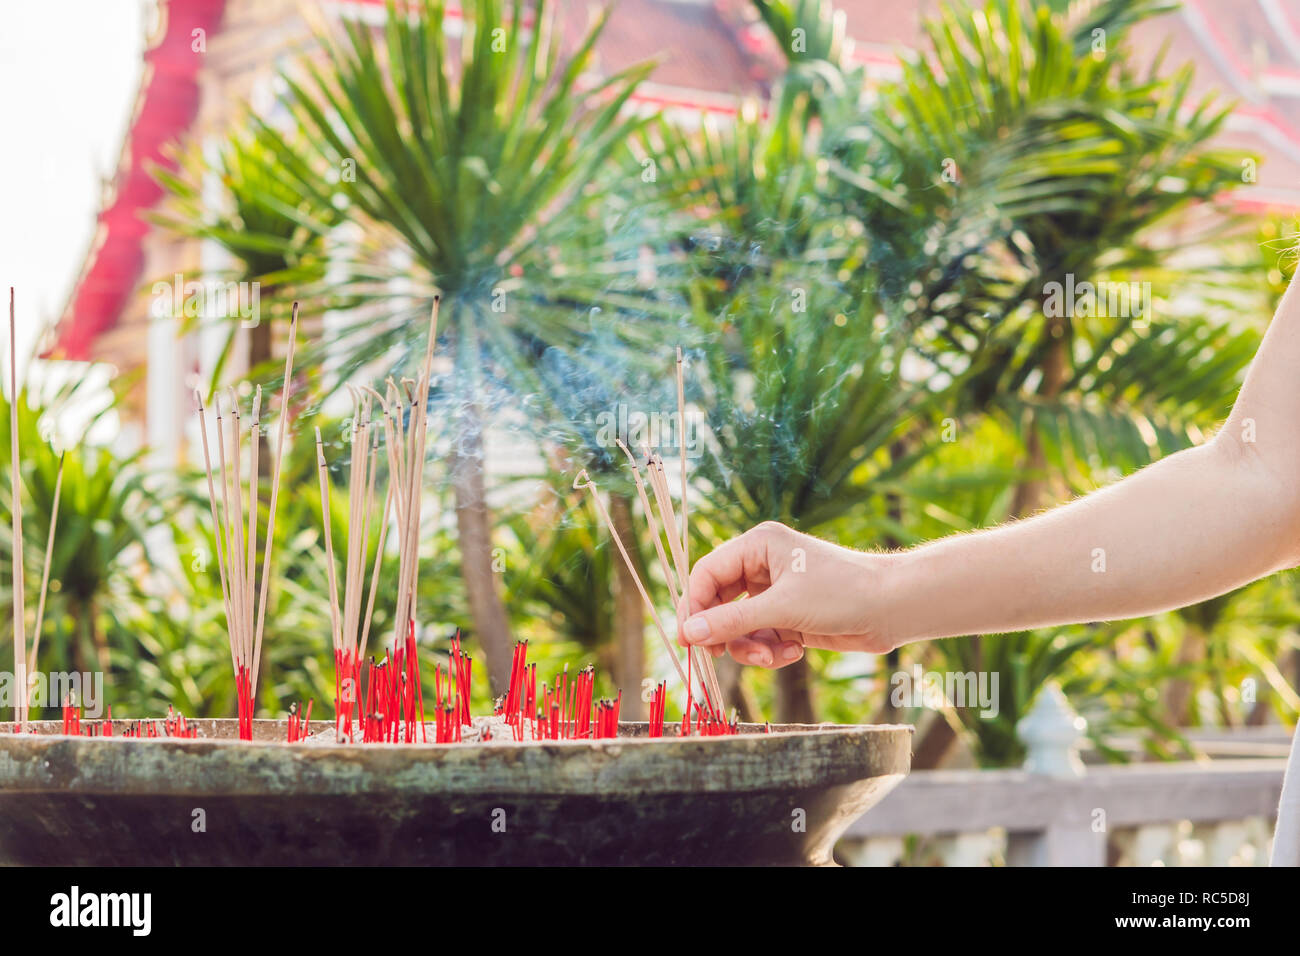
(681, 449)
(416, 438)
(225, 534)
(236, 551)
(329, 543)
(16, 509)
(285, 419)
(45, 571)
(250, 571)
(367, 509)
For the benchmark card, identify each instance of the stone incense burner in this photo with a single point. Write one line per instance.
(755, 798)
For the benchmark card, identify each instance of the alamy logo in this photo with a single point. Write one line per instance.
(208, 300)
(934, 690)
(655, 429)
(75, 908)
(1116, 300)
(55, 688)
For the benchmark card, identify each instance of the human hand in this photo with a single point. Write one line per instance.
(800, 591)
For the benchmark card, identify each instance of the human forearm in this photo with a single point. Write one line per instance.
(1189, 527)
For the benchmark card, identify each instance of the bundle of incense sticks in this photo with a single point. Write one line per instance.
(406, 470)
(299, 727)
(568, 710)
(394, 701)
(676, 572)
(237, 548)
(405, 409)
(657, 705)
(451, 699)
(173, 725)
(520, 700)
(350, 626)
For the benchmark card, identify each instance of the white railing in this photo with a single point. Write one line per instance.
(1056, 812)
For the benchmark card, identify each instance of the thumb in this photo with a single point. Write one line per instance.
(726, 622)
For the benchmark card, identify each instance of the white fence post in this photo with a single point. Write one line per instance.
(1051, 732)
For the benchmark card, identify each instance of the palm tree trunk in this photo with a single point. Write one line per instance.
(98, 638)
(731, 679)
(794, 703)
(474, 525)
(1179, 692)
(259, 341)
(629, 618)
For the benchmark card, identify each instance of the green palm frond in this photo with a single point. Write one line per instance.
(473, 163)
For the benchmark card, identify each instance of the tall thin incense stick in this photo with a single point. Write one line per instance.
(45, 571)
(16, 508)
(285, 421)
(408, 545)
(681, 450)
(250, 571)
(236, 551)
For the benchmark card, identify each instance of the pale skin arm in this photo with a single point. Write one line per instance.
(1192, 526)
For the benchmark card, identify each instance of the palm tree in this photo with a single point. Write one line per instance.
(275, 239)
(475, 167)
(1010, 157)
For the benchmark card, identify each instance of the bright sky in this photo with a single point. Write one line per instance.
(69, 71)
